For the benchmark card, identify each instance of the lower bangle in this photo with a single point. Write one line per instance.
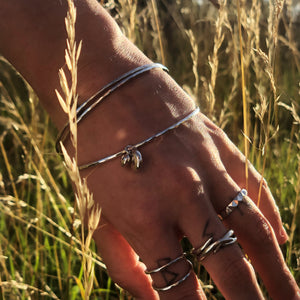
(131, 154)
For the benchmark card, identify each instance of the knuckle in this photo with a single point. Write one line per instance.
(180, 176)
(263, 233)
(264, 184)
(235, 269)
(183, 182)
(189, 187)
(220, 136)
(145, 218)
(219, 132)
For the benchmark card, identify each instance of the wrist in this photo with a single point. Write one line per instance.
(141, 108)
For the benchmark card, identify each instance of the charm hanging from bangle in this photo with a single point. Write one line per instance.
(133, 156)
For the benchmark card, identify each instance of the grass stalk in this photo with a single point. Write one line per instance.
(84, 200)
(8, 168)
(155, 13)
(245, 104)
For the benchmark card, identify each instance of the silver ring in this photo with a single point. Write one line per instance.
(159, 269)
(176, 283)
(213, 247)
(233, 204)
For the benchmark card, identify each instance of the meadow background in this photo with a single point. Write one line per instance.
(239, 60)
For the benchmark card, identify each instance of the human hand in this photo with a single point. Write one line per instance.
(187, 178)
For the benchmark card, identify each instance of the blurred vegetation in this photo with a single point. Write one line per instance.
(40, 254)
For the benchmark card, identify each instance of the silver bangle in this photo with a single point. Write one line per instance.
(88, 105)
(176, 283)
(131, 154)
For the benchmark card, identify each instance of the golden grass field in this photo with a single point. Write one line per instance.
(241, 64)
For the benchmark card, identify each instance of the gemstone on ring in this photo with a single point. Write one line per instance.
(233, 204)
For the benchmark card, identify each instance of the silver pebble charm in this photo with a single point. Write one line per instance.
(133, 156)
(136, 159)
(126, 158)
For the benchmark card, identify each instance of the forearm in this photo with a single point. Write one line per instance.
(33, 38)
(35, 44)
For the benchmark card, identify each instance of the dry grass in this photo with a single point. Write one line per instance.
(44, 250)
(84, 199)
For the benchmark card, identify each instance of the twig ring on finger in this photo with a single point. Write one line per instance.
(233, 204)
(163, 267)
(173, 283)
(212, 247)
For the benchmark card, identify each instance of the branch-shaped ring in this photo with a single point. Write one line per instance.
(213, 247)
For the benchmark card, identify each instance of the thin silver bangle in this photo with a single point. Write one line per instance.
(88, 105)
(130, 152)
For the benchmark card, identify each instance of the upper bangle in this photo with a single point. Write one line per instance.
(88, 105)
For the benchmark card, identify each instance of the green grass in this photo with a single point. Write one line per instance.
(40, 252)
